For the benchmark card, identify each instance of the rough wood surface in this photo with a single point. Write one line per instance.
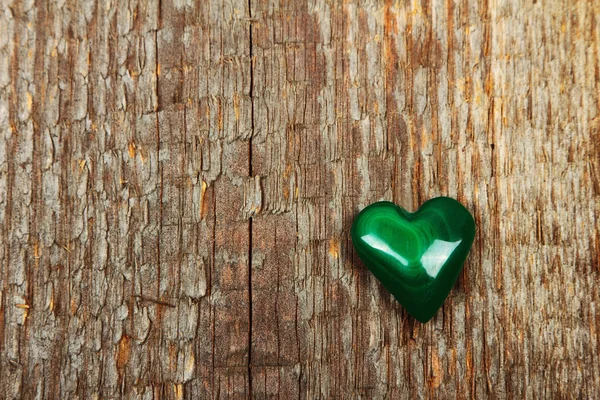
(178, 179)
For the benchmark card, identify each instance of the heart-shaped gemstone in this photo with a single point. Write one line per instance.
(416, 256)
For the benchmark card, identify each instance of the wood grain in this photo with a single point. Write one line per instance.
(178, 180)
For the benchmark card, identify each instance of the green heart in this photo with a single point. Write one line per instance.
(417, 256)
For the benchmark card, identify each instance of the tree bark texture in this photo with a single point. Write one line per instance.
(178, 179)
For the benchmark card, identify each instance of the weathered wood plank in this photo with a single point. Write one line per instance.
(178, 180)
(123, 167)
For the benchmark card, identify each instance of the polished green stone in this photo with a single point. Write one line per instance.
(416, 256)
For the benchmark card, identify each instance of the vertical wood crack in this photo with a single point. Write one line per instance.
(250, 173)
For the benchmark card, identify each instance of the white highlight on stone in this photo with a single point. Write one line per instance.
(435, 256)
(379, 244)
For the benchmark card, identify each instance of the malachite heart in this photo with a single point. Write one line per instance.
(416, 256)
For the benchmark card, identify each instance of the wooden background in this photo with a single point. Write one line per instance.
(178, 179)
